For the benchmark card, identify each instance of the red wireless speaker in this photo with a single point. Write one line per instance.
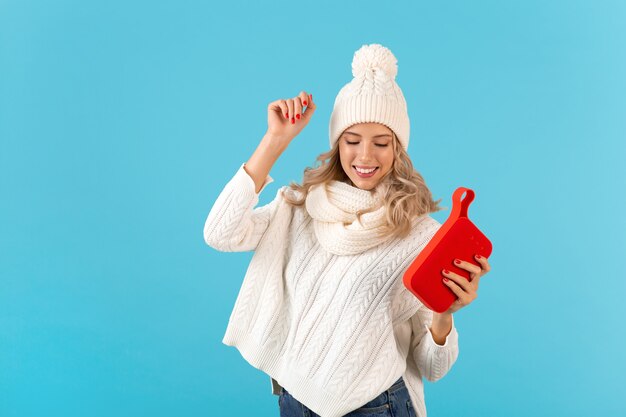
(457, 238)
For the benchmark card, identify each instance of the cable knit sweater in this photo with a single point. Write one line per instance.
(334, 330)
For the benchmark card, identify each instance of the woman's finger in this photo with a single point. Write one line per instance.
(310, 107)
(458, 291)
(292, 120)
(483, 262)
(468, 266)
(284, 109)
(304, 98)
(278, 106)
(297, 108)
(459, 280)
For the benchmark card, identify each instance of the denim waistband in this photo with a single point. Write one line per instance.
(382, 400)
(399, 384)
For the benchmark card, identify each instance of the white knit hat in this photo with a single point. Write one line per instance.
(372, 95)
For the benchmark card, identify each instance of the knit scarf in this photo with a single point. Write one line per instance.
(336, 203)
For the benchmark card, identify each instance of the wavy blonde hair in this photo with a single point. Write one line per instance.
(404, 191)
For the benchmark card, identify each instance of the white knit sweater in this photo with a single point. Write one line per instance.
(334, 330)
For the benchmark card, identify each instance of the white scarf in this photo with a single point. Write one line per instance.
(331, 208)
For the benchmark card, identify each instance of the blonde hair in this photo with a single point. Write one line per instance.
(404, 191)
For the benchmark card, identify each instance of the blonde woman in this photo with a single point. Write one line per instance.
(322, 308)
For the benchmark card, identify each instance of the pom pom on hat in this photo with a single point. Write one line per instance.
(373, 56)
(372, 96)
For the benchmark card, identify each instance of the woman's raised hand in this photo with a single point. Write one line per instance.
(287, 117)
(465, 291)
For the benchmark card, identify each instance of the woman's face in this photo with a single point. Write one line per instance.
(366, 145)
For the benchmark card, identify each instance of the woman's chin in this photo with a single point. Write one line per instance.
(364, 183)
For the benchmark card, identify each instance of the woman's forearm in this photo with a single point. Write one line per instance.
(441, 327)
(262, 160)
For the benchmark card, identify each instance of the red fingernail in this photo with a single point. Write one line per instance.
(304, 102)
(293, 120)
(287, 115)
(445, 271)
(445, 279)
(456, 261)
(478, 256)
(298, 116)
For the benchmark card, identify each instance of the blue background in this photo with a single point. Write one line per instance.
(121, 121)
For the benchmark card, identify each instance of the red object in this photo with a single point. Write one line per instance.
(457, 238)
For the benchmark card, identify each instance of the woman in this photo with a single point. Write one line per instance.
(322, 308)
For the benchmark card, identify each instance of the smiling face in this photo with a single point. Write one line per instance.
(366, 146)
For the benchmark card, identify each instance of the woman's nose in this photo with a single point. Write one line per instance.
(365, 152)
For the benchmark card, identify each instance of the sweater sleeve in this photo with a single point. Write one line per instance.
(234, 224)
(433, 360)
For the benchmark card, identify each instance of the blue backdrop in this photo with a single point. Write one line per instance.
(121, 121)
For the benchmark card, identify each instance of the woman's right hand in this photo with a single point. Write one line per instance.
(286, 117)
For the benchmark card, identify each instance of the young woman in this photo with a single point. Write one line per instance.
(322, 308)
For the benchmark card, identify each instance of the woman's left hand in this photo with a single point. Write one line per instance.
(466, 291)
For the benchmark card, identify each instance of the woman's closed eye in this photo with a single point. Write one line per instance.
(356, 143)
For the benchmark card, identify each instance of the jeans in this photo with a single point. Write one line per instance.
(394, 402)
